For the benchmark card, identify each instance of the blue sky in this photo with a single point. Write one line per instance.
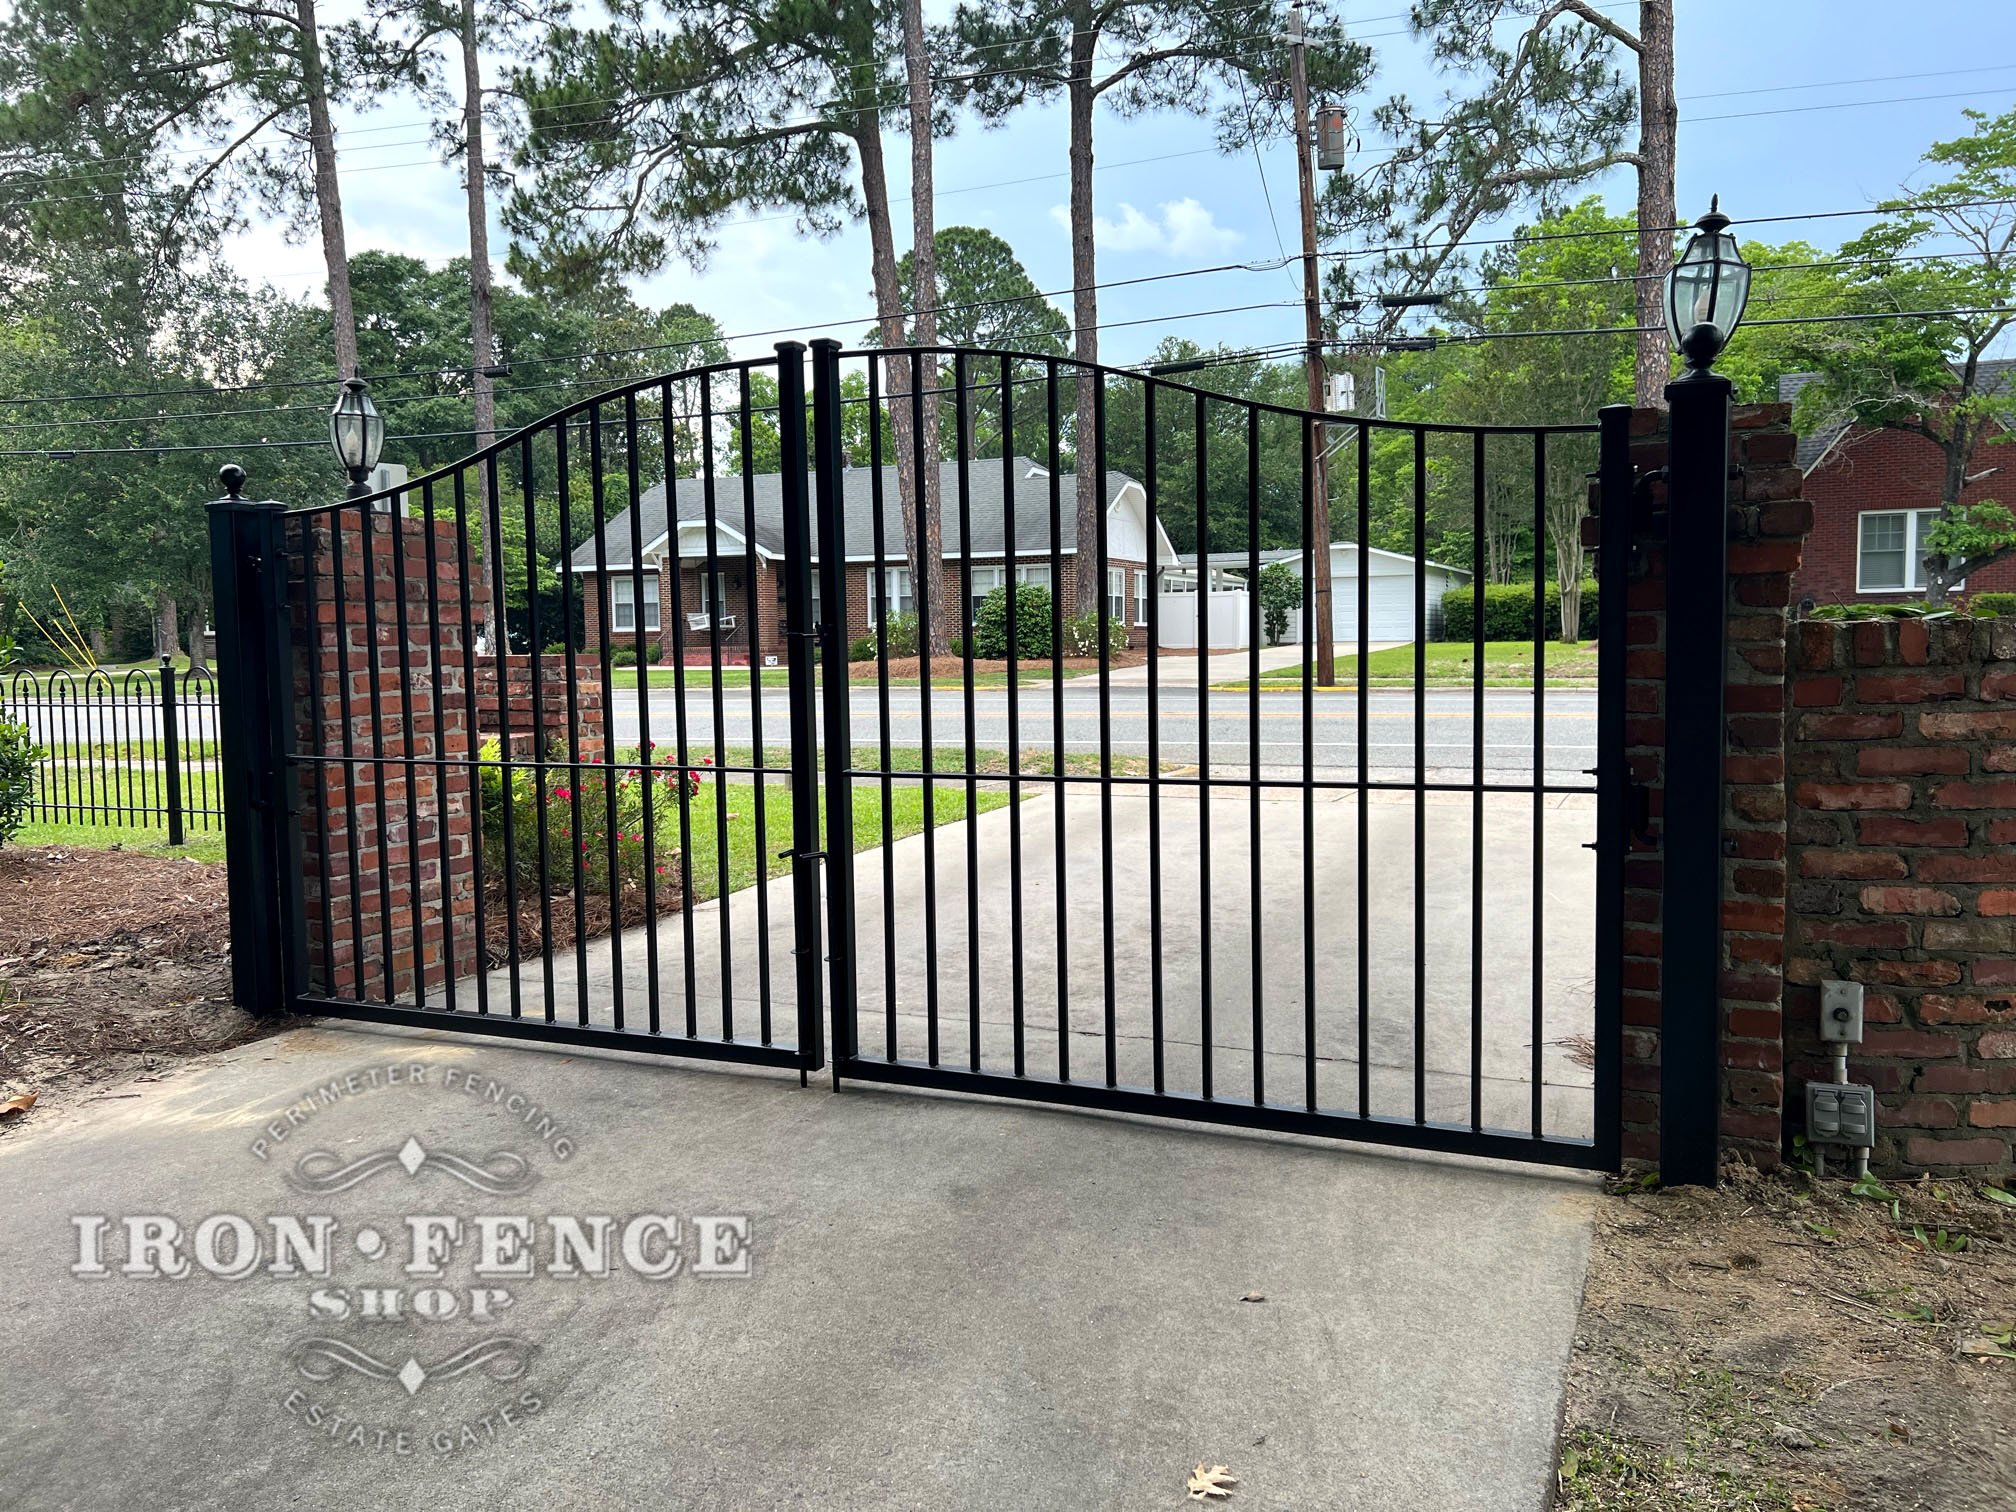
(1774, 117)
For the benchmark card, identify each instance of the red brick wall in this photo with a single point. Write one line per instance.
(1767, 522)
(520, 720)
(1881, 469)
(1903, 834)
(413, 900)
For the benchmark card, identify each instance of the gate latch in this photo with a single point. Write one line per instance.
(798, 855)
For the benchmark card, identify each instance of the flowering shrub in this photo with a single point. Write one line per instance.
(579, 822)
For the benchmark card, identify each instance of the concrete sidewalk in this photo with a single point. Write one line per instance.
(954, 1304)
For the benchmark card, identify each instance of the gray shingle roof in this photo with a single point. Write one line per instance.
(1992, 375)
(1031, 489)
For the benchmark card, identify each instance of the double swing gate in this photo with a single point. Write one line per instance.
(627, 732)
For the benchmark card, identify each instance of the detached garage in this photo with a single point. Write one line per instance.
(1391, 577)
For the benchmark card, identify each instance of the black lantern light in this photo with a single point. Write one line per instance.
(356, 433)
(1706, 291)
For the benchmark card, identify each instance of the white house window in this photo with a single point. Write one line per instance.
(1890, 557)
(1141, 598)
(892, 588)
(1116, 594)
(985, 581)
(624, 604)
(1039, 576)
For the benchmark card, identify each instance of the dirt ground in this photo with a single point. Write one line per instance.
(1789, 1344)
(113, 966)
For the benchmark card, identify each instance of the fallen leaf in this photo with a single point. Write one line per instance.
(1211, 1481)
(1254, 1297)
(19, 1104)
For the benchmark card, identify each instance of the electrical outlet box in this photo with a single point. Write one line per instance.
(1841, 1012)
(1841, 1114)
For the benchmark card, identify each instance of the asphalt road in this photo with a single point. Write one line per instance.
(1447, 718)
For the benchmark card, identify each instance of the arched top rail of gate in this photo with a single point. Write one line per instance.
(1043, 368)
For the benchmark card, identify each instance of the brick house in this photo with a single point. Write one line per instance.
(1874, 493)
(734, 594)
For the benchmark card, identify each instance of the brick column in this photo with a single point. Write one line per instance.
(1768, 521)
(403, 831)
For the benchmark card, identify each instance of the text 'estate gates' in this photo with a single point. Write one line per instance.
(618, 731)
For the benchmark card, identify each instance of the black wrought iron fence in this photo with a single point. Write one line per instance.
(135, 749)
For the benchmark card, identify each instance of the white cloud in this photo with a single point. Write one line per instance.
(1182, 228)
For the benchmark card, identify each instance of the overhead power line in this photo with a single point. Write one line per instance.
(1251, 354)
(1265, 265)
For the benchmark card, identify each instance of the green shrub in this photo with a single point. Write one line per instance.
(901, 632)
(1032, 624)
(1508, 612)
(554, 648)
(1280, 596)
(1992, 605)
(519, 807)
(861, 649)
(623, 656)
(1081, 636)
(18, 755)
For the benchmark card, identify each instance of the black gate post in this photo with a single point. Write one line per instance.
(1697, 599)
(171, 755)
(799, 631)
(1613, 773)
(255, 735)
(828, 463)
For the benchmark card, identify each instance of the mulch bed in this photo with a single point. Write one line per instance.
(112, 967)
(594, 921)
(1787, 1344)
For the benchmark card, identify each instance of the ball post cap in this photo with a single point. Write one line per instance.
(232, 476)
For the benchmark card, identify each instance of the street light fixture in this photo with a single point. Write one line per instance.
(356, 434)
(1706, 291)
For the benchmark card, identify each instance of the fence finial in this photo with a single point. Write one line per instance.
(232, 476)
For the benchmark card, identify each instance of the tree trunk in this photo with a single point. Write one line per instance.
(167, 631)
(1086, 587)
(482, 341)
(1658, 120)
(925, 563)
(328, 192)
(924, 287)
(199, 655)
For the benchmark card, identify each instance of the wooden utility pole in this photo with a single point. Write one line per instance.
(1317, 521)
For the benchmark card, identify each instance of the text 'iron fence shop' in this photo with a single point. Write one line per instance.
(123, 750)
(715, 717)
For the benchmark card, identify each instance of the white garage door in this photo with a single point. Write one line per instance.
(1392, 617)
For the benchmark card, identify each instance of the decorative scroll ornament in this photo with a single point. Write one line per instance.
(500, 1172)
(504, 1358)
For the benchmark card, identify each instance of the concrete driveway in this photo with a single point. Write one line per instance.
(896, 909)
(951, 1304)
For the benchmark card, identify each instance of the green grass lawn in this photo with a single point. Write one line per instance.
(906, 818)
(1507, 664)
(863, 677)
(200, 845)
(944, 758)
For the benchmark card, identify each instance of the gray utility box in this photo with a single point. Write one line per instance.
(1841, 1114)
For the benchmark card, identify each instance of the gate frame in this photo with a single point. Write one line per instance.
(1600, 1151)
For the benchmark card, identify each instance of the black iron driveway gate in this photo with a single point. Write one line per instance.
(1356, 931)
